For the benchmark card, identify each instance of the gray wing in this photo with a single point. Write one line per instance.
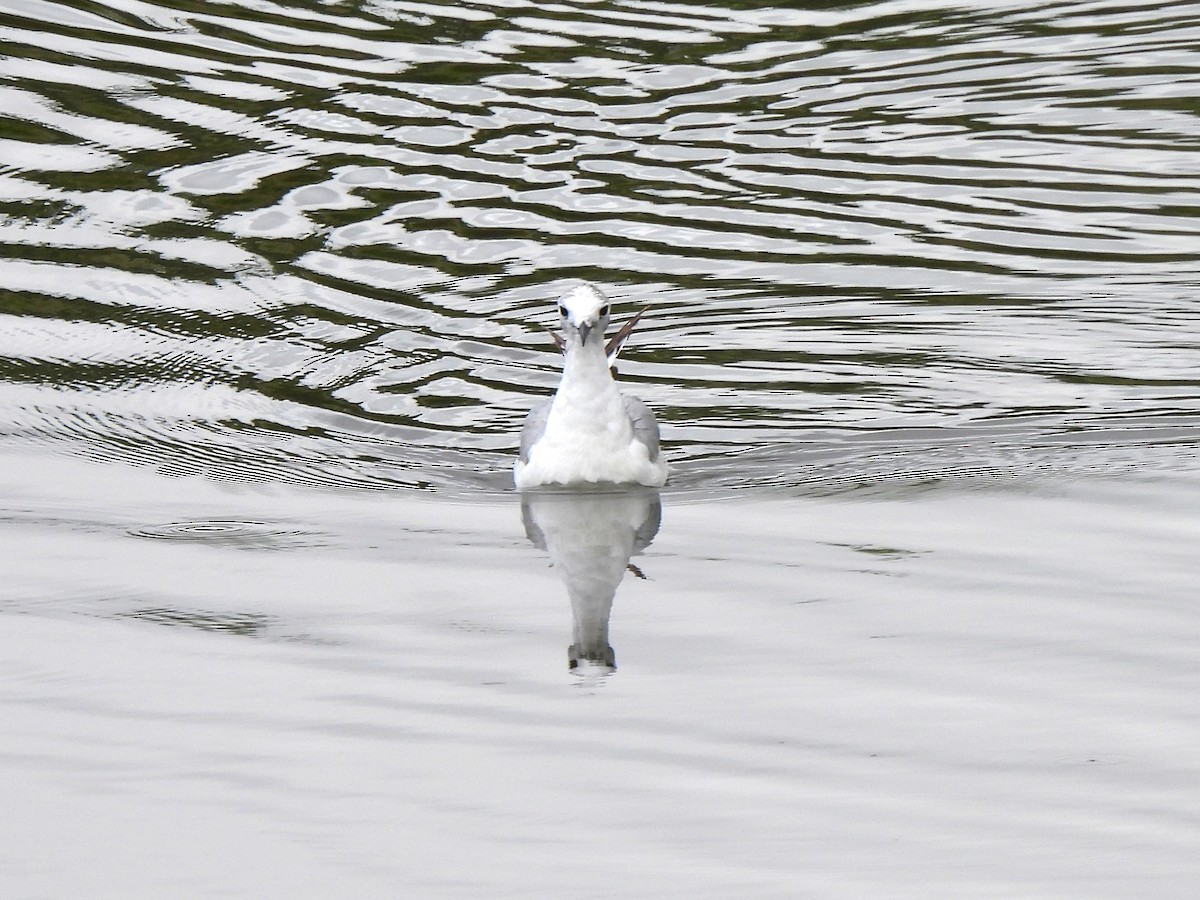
(645, 428)
(534, 427)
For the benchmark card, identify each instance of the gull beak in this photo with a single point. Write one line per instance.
(584, 330)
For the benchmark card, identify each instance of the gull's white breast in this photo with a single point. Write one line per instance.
(589, 438)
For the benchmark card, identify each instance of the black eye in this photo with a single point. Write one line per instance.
(562, 311)
(604, 310)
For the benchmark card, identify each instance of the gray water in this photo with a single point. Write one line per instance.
(915, 615)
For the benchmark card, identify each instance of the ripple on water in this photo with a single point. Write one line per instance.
(238, 534)
(324, 249)
(244, 624)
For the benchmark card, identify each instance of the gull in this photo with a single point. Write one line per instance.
(589, 432)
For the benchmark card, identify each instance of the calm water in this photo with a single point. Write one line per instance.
(915, 615)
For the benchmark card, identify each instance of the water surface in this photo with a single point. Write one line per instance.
(914, 616)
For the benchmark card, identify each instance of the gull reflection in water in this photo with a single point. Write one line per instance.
(591, 536)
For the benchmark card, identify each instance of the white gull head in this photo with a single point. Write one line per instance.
(584, 313)
(589, 432)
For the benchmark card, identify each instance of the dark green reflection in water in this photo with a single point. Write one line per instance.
(332, 237)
